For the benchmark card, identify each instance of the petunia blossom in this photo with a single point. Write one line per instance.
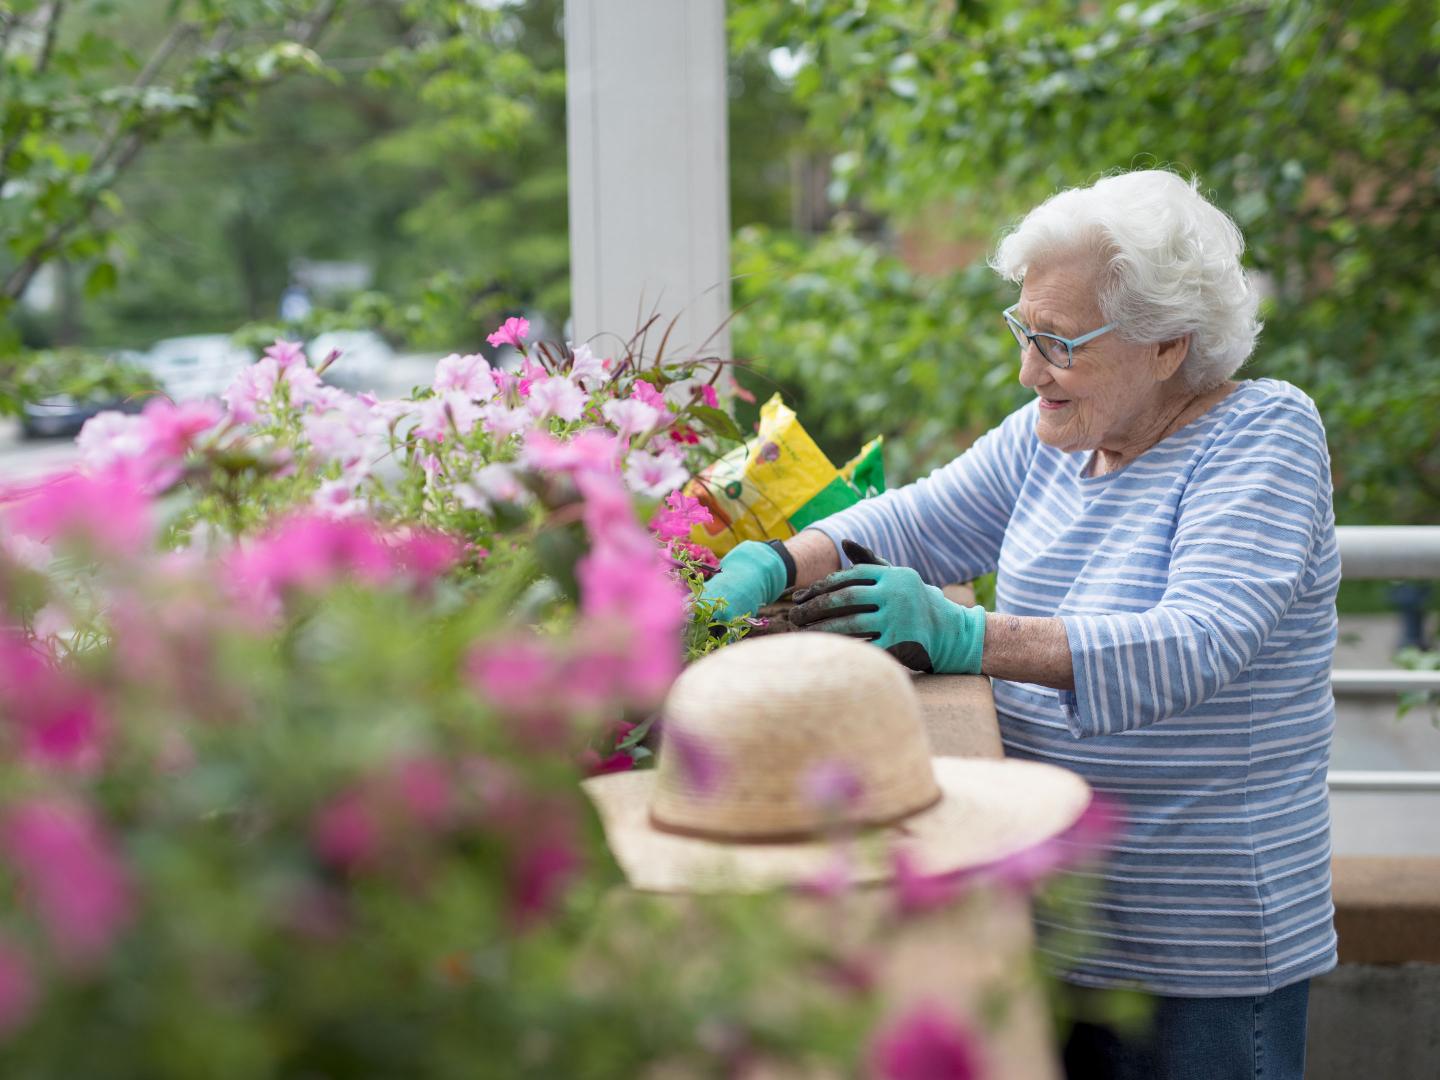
(110, 511)
(645, 391)
(250, 393)
(511, 332)
(61, 723)
(468, 375)
(631, 416)
(286, 354)
(109, 437)
(680, 514)
(588, 450)
(71, 873)
(709, 396)
(925, 1043)
(655, 474)
(557, 397)
(587, 369)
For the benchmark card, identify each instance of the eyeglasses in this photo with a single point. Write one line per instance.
(1057, 350)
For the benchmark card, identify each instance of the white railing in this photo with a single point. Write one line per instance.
(1378, 552)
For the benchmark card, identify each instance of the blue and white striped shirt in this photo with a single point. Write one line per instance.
(1197, 589)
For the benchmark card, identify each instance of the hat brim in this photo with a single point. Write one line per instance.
(988, 810)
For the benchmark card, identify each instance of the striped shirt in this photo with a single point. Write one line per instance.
(1197, 590)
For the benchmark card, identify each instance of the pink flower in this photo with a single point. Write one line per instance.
(516, 676)
(594, 765)
(344, 831)
(702, 555)
(556, 397)
(467, 375)
(631, 416)
(586, 451)
(251, 392)
(655, 474)
(307, 551)
(917, 891)
(424, 788)
(679, 516)
(501, 421)
(530, 374)
(709, 396)
(540, 875)
(833, 786)
(286, 354)
(109, 437)
(17, 990)
(512, 332)
(587, 369)
(172, 428)
(108, 512)
(700, 763)
(490, 484)
(441, 416)
(426, 554)
(925, 1044)
(645, 391)
(76, 881)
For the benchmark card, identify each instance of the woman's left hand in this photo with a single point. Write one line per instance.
(892, 607)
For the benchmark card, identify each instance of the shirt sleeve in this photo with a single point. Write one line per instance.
(1246, 531)
(949, 525)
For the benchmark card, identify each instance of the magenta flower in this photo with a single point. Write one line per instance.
(645, 391)
(541, 873)
(344, 831)
(512, 332)
(709, 397)
(425, 554)
(595, 765)
(917, 891)
(75, 880)
(110, 511)
(61, 723)
(17, 990)
(307, 551)
(925, 1044)
(470, 376)
(680, 514)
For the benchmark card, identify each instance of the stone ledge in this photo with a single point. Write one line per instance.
(1387, 908)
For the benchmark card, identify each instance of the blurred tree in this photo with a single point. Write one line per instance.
(1312, 124)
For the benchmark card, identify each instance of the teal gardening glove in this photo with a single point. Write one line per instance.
(892, 607)
(751, 576)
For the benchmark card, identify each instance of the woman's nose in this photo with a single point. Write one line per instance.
(1034, 368)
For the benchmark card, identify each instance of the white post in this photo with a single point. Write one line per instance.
(649, 191)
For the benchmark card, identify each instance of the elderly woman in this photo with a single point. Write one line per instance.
(1164, 620)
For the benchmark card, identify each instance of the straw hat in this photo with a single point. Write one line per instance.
(775, 747)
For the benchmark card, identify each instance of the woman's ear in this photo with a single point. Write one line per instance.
(1170, 355)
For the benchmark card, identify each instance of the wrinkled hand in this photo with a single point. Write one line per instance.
(750, 576)
(892, 607)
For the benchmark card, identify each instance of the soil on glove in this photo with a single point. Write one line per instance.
(777, 620)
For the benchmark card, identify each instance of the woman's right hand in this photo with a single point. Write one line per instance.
(751, 576)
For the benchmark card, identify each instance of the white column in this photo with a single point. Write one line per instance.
(649, 191)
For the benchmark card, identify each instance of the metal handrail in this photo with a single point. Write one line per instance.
(1386, 780)
(1383, 681)
(1389, 551)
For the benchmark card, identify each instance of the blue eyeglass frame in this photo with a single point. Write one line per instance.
(1071, 344)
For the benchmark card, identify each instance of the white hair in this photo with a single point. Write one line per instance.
(1171, 264)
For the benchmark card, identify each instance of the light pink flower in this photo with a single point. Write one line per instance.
(250, 393)
(556, 397)
(172, 429)
(467, 375)
(512, 332)
(501, 421)
(110, 511)
(109, 437)
(286, 353)
(655, 474)
(631, 416)
(489, 484)
(442, 416)
(77, 882)
(925, 1044)
(680, 514)
(587, 369)
(17, 989)
(306, 389)
(335, 436)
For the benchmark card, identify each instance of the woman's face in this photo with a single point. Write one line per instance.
(1110, 395)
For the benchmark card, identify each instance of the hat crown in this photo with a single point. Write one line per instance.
(786, 736)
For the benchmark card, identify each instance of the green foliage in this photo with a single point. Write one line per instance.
(82, 374)
(862, 346)
(1310, 123)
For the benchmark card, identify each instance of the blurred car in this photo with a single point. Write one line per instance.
(196, 366)
(94, 391)
(365, 363)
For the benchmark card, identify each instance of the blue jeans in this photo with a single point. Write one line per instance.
(1233, 1038)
